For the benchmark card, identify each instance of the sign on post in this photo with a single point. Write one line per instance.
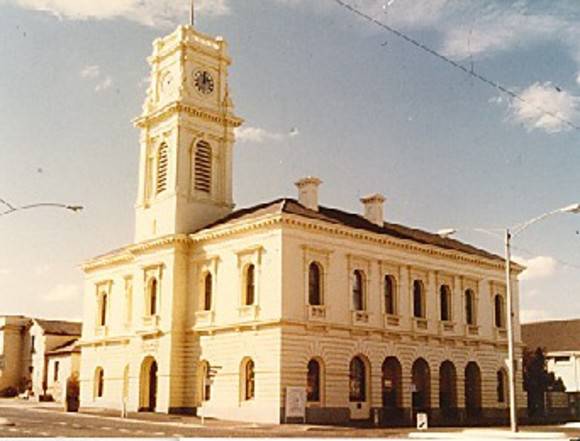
(296, 403)
(422, 422)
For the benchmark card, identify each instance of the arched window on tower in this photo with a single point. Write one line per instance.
(162, 166)
(202, 167)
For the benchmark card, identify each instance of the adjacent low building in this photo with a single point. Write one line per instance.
(560, 340)
(25, 344)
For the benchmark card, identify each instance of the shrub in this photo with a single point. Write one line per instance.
(9, 392)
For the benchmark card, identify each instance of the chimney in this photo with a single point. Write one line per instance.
(308, 192)
(374, 208)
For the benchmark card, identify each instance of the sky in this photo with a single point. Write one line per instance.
(324, 92)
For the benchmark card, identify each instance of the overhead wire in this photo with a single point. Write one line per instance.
(455, 64)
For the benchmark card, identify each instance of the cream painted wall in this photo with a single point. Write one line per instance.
(68, 364)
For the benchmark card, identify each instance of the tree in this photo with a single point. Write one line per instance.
(538, 381)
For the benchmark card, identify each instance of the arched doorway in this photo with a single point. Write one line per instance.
(359, 388)
(148, 395)
(392, 390)
(421, 385)
(447, 390)
(472, 389)
(391, 386)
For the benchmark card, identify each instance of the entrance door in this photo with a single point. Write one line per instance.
(152, 387)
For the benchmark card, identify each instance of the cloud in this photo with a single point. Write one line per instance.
(258, 135)
(545, 107)
(91, 71)
(94, 72)
(104, 85)
(578, 78)
(539, 267)
(62, 293)
(154, 13)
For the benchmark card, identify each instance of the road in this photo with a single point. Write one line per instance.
(32, 420)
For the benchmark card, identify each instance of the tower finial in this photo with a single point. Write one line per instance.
(192, 13)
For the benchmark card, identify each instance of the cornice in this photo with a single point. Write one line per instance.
(306, 224)
(128, 253)
(388, 333)
(176, 107)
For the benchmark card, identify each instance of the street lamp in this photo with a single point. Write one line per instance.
(12, 209)
(509, 234)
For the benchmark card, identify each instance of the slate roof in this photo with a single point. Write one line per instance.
(357, 221)
(553, 336)
(59, 327)
(65, 348)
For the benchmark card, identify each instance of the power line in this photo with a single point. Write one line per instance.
(442, 57)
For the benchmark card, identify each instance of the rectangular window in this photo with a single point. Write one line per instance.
(56, 366)
(561, 359)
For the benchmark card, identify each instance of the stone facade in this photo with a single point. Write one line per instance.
(219, 312)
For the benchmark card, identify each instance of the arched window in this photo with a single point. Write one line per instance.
(499, 311)
(202, 167)
(206, 379)
(207, 292)
(248, 380)
(162, 166)
(358, 300)
(250, 287)
(313, 381)
(418, 301)
(314, 284)
(358, 380)
(103, 309)
(153, 297)
(99, 382)
(469, 307)
(501, 383)
(445, 302)
(390, 292)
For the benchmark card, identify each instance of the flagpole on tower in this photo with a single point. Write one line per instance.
(192, 13)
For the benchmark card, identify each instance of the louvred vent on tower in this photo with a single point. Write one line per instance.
(162, 160)
(202, 167)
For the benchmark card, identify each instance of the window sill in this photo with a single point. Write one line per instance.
(420, 324)
(391, 320)
(248, 312)
(204, 318)
(360, 318)
(316, 312)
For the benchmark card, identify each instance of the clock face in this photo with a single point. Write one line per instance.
(203, 81)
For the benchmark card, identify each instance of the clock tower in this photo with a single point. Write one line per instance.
(187, 136)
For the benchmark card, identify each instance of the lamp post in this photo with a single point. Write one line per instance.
(509, 234)
(12, 209)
